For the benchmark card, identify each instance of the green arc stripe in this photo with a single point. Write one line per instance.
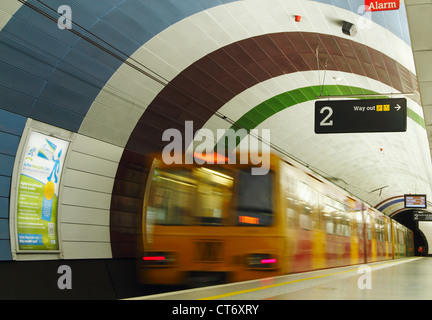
(270, 107)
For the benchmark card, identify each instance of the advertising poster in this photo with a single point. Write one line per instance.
(38, 192)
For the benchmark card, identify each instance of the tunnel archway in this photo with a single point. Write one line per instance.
(406, 217)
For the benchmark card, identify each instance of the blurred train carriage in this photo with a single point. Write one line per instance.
(219, 221)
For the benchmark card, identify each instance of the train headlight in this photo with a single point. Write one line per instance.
(261, 261)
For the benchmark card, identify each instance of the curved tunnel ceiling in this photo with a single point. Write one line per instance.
(221, 75)
(247, 60)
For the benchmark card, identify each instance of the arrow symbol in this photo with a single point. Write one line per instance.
(398, 107)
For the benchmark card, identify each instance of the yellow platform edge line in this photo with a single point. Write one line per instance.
(299, 280)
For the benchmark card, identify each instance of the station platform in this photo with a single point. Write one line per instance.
(402, 279)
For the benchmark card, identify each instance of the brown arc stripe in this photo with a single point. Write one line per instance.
(221, 75)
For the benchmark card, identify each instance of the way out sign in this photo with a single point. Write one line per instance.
(356, 116)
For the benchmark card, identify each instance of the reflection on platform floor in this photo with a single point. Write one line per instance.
(402, 279)
(405, 281)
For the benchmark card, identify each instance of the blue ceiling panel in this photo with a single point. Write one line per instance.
(35, 40)
(148, 18)
(4, 207)
(14, 54)
(8, 143)
(115, 39)
(166, 10)
(64, 98)
(188, 8)
(15, 101)
(76, 81)
(4, 186)
(84, 66)
(4, 229)
(227, 1)
(53, 114)
(130, 28)
(5, 250)
(85, 48)
(6, 165)
(20, 80)
(344, 4)
(99, 7)
(205, 4)
(11, 123)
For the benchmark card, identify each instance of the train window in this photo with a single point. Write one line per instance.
(338, 225)
(369, 232)
(291, 217)
(287, 184)
(389, 237)
(345, 221)
(329, 224)
(255, 199)
(307, 202)
(359, 223)
(214, 196)
(337, 219)
(341, 225)
(401, 236)
(380, 230)
(327, 210)
(171, 197)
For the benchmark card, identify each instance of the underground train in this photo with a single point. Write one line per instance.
(221, 222)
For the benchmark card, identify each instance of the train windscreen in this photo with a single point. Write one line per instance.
(255, 202)
(203, 196)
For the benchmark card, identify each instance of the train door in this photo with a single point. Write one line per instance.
(410, 243)
(368, 234)
(357, 238)
(319, 244)
(393, 239)
(361, 231)
(290, 225)
(388, 238)
(301, 212)
(380, 236)
(302, 256)
(398, 240)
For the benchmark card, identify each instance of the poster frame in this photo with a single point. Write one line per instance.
(55, 132)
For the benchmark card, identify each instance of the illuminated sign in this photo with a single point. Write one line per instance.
(381, 5)
(415, 201)
(249, 220)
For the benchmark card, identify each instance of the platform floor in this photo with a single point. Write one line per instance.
(402, 279)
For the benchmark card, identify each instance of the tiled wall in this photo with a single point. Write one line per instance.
(11, 129)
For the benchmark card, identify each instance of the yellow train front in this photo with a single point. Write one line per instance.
(224, 223)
